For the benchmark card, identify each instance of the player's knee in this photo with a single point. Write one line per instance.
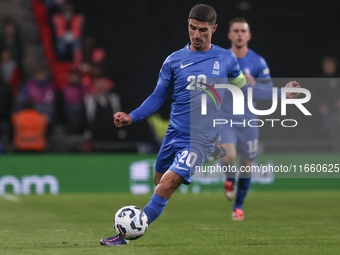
(246, 165)
(228, 160)
(167, 186)
(165, 190)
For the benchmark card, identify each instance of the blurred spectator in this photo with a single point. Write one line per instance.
(88, 46)
(72, 103)
(68, 31)
(329, 66)
(30, 128)
(91, 53)
(55, 5)
(6, 101)
(329, 98)
(93, 62)
(100, 108)
(90, 73)
(10, 72)
(98, 56)
(10, 41)
(41, 90)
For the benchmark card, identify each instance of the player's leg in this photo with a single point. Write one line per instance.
(178, 172)
(247, 151)
(167, 185)
(166, 154)
(157, 177)
(189, 154)
(243, 185)
(228, 161)
(164, 190)
(228, 139)
(166, 180)
(156, 205)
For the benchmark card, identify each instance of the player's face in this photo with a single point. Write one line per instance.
(239, 34)
(200, 34)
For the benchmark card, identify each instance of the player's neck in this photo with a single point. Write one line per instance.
(240, 52)
(205, 48)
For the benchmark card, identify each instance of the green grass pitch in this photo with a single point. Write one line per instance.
(303, 222)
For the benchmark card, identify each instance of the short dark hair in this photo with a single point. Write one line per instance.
(203, 13)
(243, 20)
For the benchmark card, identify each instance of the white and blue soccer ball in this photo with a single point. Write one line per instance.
(130, 222)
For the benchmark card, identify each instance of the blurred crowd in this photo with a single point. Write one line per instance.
(36, 114)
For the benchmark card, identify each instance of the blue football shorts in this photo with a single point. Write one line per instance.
(182, 154)
(244, 138)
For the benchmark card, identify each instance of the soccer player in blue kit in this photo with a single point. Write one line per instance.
(239, 138)
(191, 137)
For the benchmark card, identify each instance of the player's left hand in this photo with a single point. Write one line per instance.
(250, 79)
(292, 84)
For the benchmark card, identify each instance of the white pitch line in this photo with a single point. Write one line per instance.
(208, 228)
(10, 197)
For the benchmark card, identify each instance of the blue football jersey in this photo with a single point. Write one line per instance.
(256, 66)
(192, 74)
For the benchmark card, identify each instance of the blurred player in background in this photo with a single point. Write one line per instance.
(191, 137)
(242, 139)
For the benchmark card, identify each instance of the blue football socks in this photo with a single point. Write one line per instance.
(155, 207)
(243, 185)
(231, 176)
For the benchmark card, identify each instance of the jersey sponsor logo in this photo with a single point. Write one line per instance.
(184, 66)
(182, 168)
(266, 71)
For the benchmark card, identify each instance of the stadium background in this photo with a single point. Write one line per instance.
(293, 215)
(137, 36)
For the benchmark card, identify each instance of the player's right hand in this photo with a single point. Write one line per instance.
(122, 119)
(292, 84)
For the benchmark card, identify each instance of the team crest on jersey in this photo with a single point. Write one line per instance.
(216, 67)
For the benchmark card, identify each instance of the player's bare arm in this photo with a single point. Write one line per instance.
(122, 119)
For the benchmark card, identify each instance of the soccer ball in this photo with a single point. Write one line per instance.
(130, 222)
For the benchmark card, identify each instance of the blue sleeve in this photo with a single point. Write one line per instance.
(234, 69)
(263, 79)
(156, 99)
(260, 94)
(235, 75)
